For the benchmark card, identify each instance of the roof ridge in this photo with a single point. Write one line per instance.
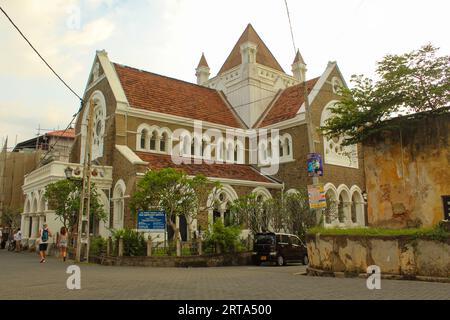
(281, 93)
(163, 76)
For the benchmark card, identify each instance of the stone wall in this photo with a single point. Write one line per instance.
(405, 256)
(216, 260)
(407, 173)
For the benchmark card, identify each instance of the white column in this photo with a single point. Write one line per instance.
(347, 213)
(360, 217)
(35, 227)
(22, 224)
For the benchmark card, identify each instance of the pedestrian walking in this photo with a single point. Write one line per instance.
(44, 235)
(18, 240)
(62, 243)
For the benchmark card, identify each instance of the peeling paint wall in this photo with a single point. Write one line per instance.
(405, 256)
(407, 173)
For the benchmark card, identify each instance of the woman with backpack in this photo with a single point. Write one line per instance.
(44, 235)
(62, 243)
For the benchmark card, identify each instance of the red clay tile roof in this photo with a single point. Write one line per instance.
(263, 54)
(287, 104)
(69, 133)
(153, 92)
(228, 171)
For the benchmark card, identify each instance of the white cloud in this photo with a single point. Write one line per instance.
(91, 34)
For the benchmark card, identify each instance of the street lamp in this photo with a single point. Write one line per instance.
(68, 172)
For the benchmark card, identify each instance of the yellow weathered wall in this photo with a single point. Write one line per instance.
(407, 173)
(405, 256)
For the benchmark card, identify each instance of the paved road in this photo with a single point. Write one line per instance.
(22, 277)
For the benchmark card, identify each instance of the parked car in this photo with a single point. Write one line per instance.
(279, 248)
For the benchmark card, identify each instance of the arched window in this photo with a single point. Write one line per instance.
(281, 151)
(153, 138)
(164, 142)
(99, 125)
(288, 146)
(358, 207)
(334, 152)
(144, 136)
(239, 152)
(344, 207)
(187, 145)
(119, 205)
(331, 211)
(230, 152)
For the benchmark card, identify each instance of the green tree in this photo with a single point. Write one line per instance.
(11, 218)
(173, 192)
(204, 190)
(298, 215)
(248, 211)
(275, 215)
(409, 84)
(63, 197)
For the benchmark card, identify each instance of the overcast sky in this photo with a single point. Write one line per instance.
(168, 37)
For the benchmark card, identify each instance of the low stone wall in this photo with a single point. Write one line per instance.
(216, 260)
(405, 256)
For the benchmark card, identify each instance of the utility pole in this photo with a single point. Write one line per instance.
(85, 201)
(310, 133)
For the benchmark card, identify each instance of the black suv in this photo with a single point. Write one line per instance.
(279, 248)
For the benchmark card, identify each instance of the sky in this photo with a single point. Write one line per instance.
(169, 36)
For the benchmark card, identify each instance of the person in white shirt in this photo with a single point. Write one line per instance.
(18, 240)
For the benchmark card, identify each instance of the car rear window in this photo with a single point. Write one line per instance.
(265, 239)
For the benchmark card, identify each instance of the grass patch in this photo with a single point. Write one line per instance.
(437, 232)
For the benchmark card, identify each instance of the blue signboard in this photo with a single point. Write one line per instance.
(314, 163)
(151, 221)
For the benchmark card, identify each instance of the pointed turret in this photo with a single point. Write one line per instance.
(202, 71)
(250, 49)
(299, 67)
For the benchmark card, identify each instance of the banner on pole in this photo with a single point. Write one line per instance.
(317, 198)
(314, 165)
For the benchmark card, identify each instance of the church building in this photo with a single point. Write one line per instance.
(142, 119)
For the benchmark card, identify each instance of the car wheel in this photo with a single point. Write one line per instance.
(280, 261)
(305, 260)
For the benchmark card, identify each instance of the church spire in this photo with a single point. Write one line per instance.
(203, 62)
(299, 67)
(202, 71)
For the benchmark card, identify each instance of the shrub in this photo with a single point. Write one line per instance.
(437, 232)
(227, 238)
(134, 243)
(97, 246)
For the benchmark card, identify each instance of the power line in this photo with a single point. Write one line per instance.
(290, 25)
(57, 75)
(40, 56)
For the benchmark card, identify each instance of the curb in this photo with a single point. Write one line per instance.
(335, 274)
